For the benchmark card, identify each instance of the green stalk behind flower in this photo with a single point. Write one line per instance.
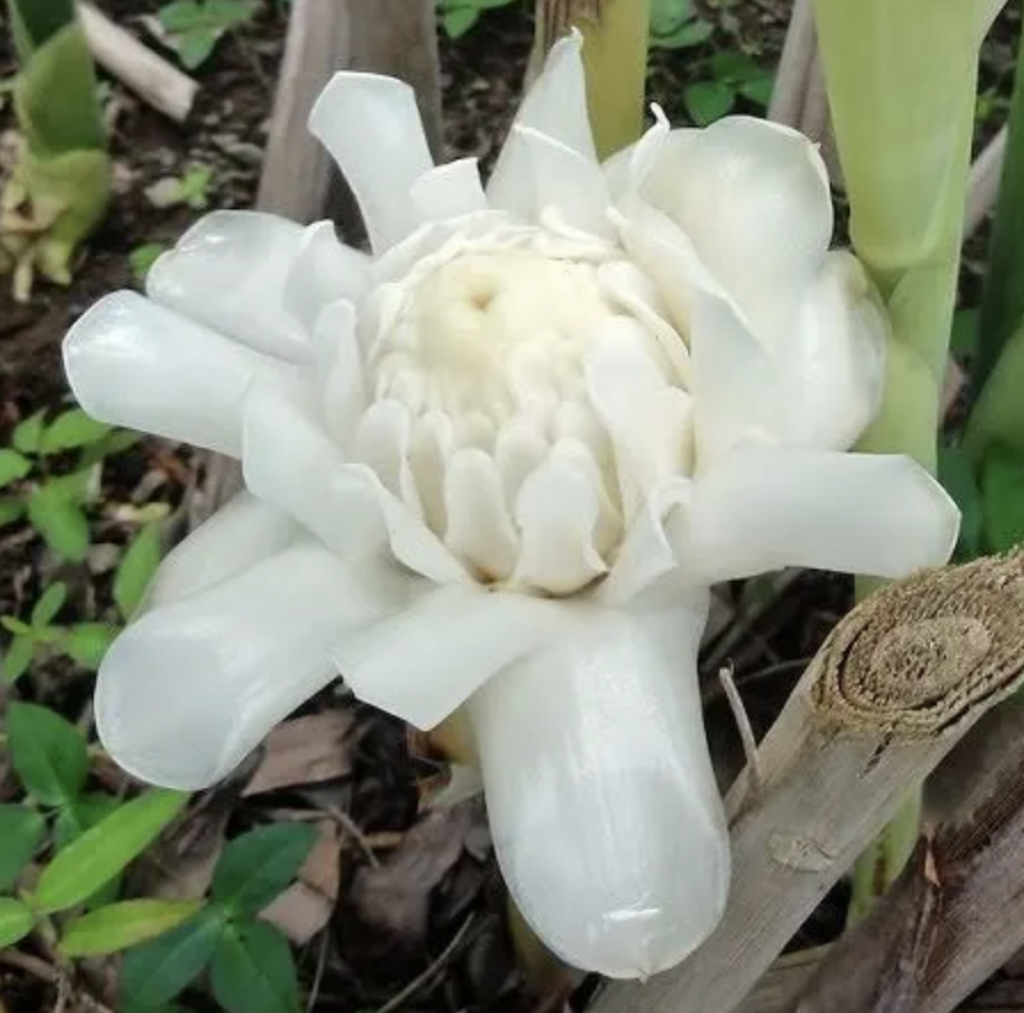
(60, 188)
(902, 80)
(615, 40)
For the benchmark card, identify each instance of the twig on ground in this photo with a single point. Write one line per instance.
(149, 75)
(421, 981)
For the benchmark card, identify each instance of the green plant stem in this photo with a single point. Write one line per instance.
(615, 39)
(902, 79)
(1002, 308)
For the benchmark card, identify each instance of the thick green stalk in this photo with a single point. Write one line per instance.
(902, 80)
(1003, 304)
(615, 39)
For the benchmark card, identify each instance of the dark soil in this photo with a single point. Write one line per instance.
(419, 900)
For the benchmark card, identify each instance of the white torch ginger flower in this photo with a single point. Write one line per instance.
(499, 463)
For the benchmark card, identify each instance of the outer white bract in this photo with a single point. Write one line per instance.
(500, 462)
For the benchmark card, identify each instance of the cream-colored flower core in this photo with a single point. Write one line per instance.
(489, 373)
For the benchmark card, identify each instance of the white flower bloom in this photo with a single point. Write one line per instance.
(500, 461)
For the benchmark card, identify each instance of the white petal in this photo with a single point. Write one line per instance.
(323, 271)
(133, 363)
(479, 527)
(568, 181)
(290, 462)
(557, 512)
(765, 508)
(832, 363)
(228, 272)
(734, 381)
(424, 662)
(244, 532)
(188, 690)
(338, 356)
(382, 443)
(650, 550)
(650, 422)
(371, 125)
(449, 191)
(754, 198)
(602, 802)
(556, 105)
(626, 170)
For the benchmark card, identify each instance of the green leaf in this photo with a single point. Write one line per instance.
(105, 850)
(11, 510)
(88, 643)
(13, 467)
(1002, 493)
(49, 604)
(16, 921)
(758, 90)
(195, 48)
(957, 477)
(137, 568)
(460, 20)
(119, 926)
(28, 433)
(118, 441)
(18, 657)
(14, 625)
(964, 336)
(70, 430)
(668, 15)
(49, 753)
(143, 257)
(692, 34)
(21, 833)
(214, 15)
(259, 865)
(1003, 297)
(253, 970)
(707, 101)
(157, 971)
(79, 815)
(60, 521)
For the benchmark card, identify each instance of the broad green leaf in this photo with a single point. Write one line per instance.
(70, 430)
(157, 971)
(50, 603)
(105, 850)
(49, 753)
(1002, 493)
(136, 570)
(253, 970)
(707, 101)
(116, 442)
(214, 15)
(88, 643)
(29, 432)
(114, 928)
(13, 467)
(18, 657)
(60, 521)
(21, 833)
(16, 921)
(259, 865)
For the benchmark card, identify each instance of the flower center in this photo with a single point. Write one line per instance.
(497, 333)
(525, 398)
